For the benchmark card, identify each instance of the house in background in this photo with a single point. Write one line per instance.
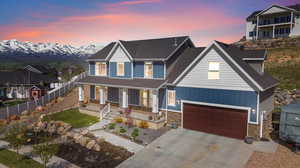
(275, 21)
(219, 89)
(23, 84)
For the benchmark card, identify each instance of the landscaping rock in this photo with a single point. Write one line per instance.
(25, 112)
(100, 140)
(97, 148)
(84, 132)
(83, 140)
(14, 117)
(91, 144)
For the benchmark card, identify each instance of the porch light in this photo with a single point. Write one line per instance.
(253, 111)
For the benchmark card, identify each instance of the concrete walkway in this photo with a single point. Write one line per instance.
(55, 161)
(182, 148)
(3, 166)
(118, 141)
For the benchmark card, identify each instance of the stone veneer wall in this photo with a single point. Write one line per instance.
(267, 126)
(174, 117)
(253, 131)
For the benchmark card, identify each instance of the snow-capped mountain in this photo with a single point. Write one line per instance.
(9, 47)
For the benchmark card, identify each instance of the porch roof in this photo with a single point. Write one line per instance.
(124, 83)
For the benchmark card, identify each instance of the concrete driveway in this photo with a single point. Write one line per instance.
(182, 148)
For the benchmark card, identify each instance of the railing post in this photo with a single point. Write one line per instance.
(18, 108)
(43, 101)
(27, 106)
(7, 112)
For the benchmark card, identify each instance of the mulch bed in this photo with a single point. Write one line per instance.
(110, 156)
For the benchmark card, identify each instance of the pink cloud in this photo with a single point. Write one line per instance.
(136, 2)
(128, 25)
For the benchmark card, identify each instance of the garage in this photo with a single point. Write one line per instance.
(215, 120)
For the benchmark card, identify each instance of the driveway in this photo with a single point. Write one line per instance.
(182, 148)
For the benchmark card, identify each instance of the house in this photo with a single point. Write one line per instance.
(23, 84)
(219, 89)
(275, 21)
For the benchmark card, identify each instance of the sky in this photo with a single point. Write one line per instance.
(82, 22)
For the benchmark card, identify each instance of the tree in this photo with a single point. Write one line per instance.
(16, 136)
(45, 151)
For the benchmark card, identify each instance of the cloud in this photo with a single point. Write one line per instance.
(126, 24)
(137, 2)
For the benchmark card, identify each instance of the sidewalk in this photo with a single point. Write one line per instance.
(54, 162)
(118, 141)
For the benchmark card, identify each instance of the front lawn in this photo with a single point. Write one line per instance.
(74, 118)
(9, 159)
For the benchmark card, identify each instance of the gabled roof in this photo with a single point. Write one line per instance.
(264, 80)
(103, 53)
(150, 49)
(246, 54)
(260, 81)
(295, 7)
(185, 59)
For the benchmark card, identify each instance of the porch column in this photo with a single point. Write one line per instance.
(124, 98)
(80, 93)
(102, 98)
(257, 24)
(154, 101)
(273, 31)
(292, 16)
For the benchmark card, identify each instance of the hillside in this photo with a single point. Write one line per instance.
(283, 61)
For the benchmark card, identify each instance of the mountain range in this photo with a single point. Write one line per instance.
(10, 49)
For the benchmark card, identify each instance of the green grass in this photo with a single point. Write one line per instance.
(73, 117)
(9, 159)
(288, 74)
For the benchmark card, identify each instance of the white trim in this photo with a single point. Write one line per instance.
(274, 5)
(213, 87)
(175, 111)
(148, 62)
(111, 51)
(253, 59)
(165, 70)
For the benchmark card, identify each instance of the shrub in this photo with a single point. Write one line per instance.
(112, 126)
(122, 130)
(135, 133)
(143, 124)
(118, 120)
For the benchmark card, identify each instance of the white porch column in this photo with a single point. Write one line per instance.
(80, 93)
(102, 94)
(124, 98)
(292, 16)
(154, 101)
(257, 24)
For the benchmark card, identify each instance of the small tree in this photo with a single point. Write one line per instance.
(16, 136)
(45, 151)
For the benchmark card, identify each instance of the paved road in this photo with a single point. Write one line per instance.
(189, 149)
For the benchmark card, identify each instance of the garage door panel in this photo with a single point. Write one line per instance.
(215, 120)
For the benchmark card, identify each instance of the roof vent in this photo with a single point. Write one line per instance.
(175, 42)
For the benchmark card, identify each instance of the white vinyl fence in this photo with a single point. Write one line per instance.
(6, 112)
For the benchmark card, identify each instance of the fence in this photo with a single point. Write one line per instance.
(6, 112)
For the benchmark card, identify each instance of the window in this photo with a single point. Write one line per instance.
(148, 70)
(102, 69)
(254, 21)
(171, 97)
(120, 69)
(213, 70)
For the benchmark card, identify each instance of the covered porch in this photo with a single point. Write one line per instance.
(128, 102)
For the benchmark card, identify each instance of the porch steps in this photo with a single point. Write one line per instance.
(100, 125)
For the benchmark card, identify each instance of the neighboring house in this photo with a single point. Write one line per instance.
(23, 84)
(218, 89)
(275, 21)
(45, 70)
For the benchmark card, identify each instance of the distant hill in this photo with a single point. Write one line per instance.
(283, 59)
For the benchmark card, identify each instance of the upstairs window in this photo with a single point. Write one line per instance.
(171, 97)
(148, 70)
(213, 70)
(102, 69)
(120, 69)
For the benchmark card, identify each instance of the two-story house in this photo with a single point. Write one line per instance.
(219, 89)
(275, 21)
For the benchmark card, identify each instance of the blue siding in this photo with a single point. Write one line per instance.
(217, 96)
(138, 69)
(92, 68)
(92, 92)
(162, 98)
(113, 70)
(158, 70)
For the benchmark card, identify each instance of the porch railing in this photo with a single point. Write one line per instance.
(104, 111)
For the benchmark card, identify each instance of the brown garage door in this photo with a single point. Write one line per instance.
(221, 121)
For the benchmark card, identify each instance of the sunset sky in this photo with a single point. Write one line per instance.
(81, 22)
